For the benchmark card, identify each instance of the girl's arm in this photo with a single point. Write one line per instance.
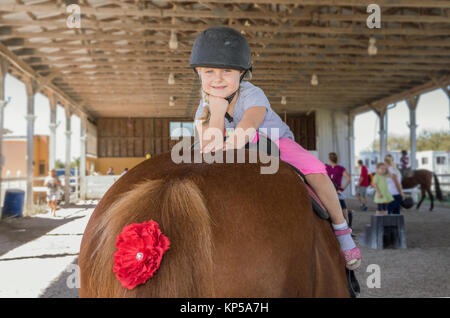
(347, 180)
(213, 140)
(252, 118)
(377, 190)
(397, 184)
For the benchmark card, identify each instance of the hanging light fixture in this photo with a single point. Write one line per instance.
(173, 42)
(172, 101)
(283, 100)
(314, 80)
(171, 80)
(372, 49)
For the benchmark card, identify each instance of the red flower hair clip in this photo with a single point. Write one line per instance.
(140, 248)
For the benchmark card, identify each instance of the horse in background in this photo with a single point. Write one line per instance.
(424, 178)
(233, 231)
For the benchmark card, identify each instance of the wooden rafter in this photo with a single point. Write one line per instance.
(120, 57)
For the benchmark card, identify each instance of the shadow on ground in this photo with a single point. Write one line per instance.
(15, 232)
(65, 285)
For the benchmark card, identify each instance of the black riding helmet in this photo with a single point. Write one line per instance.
(407, 203)
(222, 47)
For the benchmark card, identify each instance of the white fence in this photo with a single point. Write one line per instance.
(21, 184)
(96, 186)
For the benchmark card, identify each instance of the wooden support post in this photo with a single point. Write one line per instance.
(31, 87)
(412, 103)
(3, 102)
(68, 132)
(351, 149)
(53, 125)
(382, 113)
(83, 120)
(446, 90)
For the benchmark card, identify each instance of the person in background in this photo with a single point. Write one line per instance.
(124, 171)
(404, 162)
(336, 172)
(394, 185)
(110, 171)
(52, 183)
(363, 183)
(380, 182)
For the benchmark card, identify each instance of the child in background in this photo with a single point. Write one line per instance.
(382, 196)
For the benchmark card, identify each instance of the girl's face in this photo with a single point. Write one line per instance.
(381, 170)
(219, 82)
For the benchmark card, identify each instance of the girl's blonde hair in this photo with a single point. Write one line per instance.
(205, 116)
(389, 160)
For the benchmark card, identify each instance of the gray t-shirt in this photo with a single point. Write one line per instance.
(249, 96)
(52, 186)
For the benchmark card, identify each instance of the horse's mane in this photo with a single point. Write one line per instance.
(178, 206)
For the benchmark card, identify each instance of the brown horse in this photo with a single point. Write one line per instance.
(424, 178)
(234, 233)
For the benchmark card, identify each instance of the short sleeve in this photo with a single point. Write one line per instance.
(255, 97)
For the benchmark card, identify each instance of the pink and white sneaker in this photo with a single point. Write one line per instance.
(352, 256)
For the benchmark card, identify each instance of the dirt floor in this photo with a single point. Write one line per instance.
(421, 270)
(38, 255)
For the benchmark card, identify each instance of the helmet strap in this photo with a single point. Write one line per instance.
(230, 98)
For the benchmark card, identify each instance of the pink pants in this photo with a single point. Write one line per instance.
(296, 155)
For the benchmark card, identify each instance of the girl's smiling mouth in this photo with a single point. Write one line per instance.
(218, 87)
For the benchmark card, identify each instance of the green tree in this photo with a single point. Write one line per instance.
(75, 163)
(394, 143)
(59, 164)
(433, 140)
(438, 140)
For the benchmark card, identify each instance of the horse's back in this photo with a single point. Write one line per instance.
(265, 240)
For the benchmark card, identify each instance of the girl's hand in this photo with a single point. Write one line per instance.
(379, 195)
(217, 105)
(403, 196)
(213, 146)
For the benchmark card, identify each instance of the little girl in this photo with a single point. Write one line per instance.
(221, 57)
(380, 182)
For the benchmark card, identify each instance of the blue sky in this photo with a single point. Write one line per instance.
(432, 113)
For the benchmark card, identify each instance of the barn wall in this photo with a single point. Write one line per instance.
(304, 129)
(136, 137)
(332, 136)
